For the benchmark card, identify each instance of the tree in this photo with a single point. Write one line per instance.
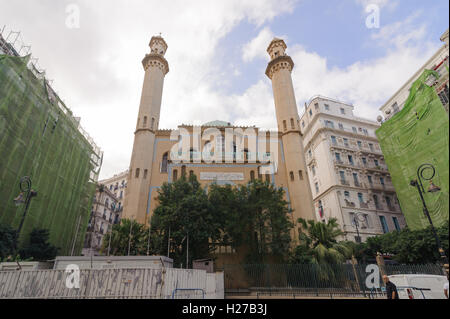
(8, 240)
(407, 246)
(254, 217)
(185, 212)
(38, 246)
(319, 244)
(129, 233)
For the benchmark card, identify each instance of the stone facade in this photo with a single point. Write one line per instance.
(348, 176)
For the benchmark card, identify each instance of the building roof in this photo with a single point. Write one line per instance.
(217, 123)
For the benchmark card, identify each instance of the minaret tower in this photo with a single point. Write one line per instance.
(279, 71)
(156, 67)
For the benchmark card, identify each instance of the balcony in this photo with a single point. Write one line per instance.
(349, 203)
(345, 183)
(392, 208)
(363, 205)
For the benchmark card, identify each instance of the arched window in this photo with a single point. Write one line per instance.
(175, 175)
(191, 173)
(291, 174)
(245, 155)
(145, 121)
(145, 173)
(252, 175)
(137, 173)
(300, 175)
(164, 162)
(153, 123)
(292, 124)
(183, 170)
(284, 125)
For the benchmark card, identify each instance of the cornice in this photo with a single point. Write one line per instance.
(157, 60)
(281, 62)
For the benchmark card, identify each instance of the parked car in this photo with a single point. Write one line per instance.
(419, 286)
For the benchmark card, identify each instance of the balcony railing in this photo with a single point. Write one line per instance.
(343, 182)
(363, 205)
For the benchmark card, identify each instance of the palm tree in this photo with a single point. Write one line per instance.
(321, 239)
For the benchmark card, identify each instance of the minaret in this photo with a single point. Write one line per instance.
(279, 71)
(138, 185)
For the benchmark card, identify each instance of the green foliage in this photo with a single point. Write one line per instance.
(127, 233)
(184, 209)
(254, 216)
(319, 245)
(7, 241)
(407, 246)
(38, 246)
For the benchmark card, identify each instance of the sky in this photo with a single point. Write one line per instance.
(92, 50)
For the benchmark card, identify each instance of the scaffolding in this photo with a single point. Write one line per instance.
(417, 135)
(40, 138)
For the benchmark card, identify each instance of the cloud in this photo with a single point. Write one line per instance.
(256, 48)
(97, 68)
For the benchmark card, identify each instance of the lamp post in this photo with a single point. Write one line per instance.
(27, 192)
(431, 189)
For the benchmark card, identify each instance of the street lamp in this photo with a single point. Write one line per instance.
(25, 196)
(431, 189)
(356, 219)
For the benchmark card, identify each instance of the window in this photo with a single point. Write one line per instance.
(268, 178)
(145, 173)
(364, 160)
(342, 175)
(388, 201)
(341, 126)
(309, 153)
(310, 112)
(329, 124)
(365, 132)
(191, 173)
(333, 140)
(350, 159)
(320, 209)
(338, 157)
(317, 187)
(381, 180)
(359, 144)
(347, 194)
(145, 121)
(361, 198)
(355, 179)
(396, 224)
(377, 204)
(183, 170)
(342, 111)
(284, 125)
(346, 142)
(327, 107)
(164, 163)
(291, 174)
(313, 169)
(384, 224)
(395, 107)
(369, 178)
(376, 162)
(252, 175)
(300, 174)
(303, 123)
(175, 175)
(153, 123)
(137, 173)
(354, 130)
(292, 124)
(316, 106)
(444, 96)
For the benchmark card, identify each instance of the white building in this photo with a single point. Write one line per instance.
(347, 172)
(117, 185)
(439, 63)
(104, 214)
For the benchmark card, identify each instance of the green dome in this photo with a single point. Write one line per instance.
(217, 123)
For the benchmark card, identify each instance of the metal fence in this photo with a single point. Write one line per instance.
(113, 283)
(345, 280)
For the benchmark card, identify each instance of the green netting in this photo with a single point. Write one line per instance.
(416, 135)
(40, 138)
